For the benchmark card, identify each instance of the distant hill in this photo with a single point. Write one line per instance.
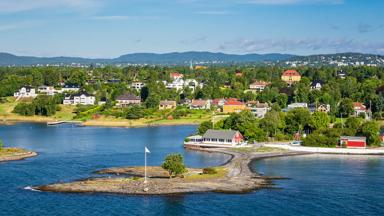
(184, 58)
(146, 58)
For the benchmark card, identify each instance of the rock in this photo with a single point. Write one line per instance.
(146, 189)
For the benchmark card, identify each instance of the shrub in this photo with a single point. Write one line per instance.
(1, 144)
(209, 171)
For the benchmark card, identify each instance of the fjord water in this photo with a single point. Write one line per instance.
(319, 185)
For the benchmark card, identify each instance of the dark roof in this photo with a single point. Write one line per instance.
(219, 134)
(314, 82)
(128, 97)
(71, 86)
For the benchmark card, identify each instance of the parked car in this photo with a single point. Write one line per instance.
(296, 143)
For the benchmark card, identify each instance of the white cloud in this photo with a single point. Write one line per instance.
(123, 17)
(12, 6)
(18, 25)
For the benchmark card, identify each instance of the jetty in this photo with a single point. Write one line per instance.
(64, 122)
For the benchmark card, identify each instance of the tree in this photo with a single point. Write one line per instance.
(1, 144)
(319, 120)
(204, 126)
(152, 101)
(346, 107)
(24, 109)
(174, 164)
(353, 123)
(296, 119)
(371, 130)
(272, 122)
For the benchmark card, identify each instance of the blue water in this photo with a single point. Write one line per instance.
(326, 185)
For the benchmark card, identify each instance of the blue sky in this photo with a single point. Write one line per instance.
(109, 28)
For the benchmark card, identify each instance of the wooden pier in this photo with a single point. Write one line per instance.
(64, 122)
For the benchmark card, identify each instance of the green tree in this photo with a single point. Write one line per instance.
(1, 144)
(371, 130)
(296, 119)
(346, 107)
(319, 120)
(174, 164)
(272, 122)
(204, 126)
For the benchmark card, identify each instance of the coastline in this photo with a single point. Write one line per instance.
(235, 177)
(14, 154)
(102, 123)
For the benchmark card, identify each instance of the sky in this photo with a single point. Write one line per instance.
(110, 28)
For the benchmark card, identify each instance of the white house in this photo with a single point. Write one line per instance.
(297, 105)
(200, 104)
(260, 109)
(137, 86)
(25, 92)
(177, 84)
(258, 86)
(48, 90)
(216, 138)
(68, 88)
(82, 98)
(317, 85)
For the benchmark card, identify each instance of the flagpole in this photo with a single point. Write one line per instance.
(145, 165)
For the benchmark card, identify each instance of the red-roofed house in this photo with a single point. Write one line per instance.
(176, 75)
(232, 105)
(360, 108)
(291, 76)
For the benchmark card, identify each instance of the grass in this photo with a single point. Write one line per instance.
(221, 173)
(4, 152)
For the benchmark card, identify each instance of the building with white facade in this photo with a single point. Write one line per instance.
(25, 92)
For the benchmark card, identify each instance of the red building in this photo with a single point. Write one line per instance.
(353, 142)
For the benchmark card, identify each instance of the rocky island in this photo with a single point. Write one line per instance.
(234, 176)
(12, 154)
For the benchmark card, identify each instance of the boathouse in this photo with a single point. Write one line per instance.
(223, 137)
(353, 142)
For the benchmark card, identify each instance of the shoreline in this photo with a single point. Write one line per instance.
(107, 124)
(236, 177)
(15, 154)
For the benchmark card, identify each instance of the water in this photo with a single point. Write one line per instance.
(328, 185)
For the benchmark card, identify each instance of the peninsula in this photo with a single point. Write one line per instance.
(234, 176)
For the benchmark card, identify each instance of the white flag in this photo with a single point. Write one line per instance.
(147, 150)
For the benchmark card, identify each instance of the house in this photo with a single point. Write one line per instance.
(48, 90)
(167, 105)
(25, 92)
(127, 99)
(200, 104)
(297, 105)
(258, 86)
(233, 106)
(291, 76)
(218, 102)
(317, 85)
(325, 108)
(70, 87)
(177, 84)
(137, 86)
(353, 142)
(176, 75)
(102, 101)
(82, 98)
(259, 109)
(192, 84)
(360, 109)
(222, 137)
(341, 74)
(238, 73)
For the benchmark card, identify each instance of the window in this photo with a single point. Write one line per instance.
(229, 141)
(221, 140)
